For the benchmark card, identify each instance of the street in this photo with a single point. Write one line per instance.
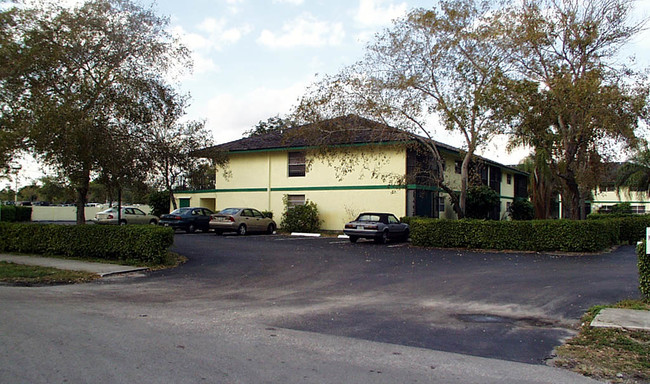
(287, 309)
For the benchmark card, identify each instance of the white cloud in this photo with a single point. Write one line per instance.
(306, 31)
(374, 13)
(229, 115)
(213, 35)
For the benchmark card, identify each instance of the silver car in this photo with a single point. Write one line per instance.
(242, 221)
(130, 215)
(377, 226)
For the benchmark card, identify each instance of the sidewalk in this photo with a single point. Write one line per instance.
(622, 318)
(102, 269)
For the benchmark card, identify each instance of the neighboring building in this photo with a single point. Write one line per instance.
(368, 167)
(607, 195)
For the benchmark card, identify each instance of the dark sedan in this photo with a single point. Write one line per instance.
(188, 218)
(377, 226)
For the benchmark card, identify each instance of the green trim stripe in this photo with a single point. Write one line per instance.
(303, 148)
(617, 202)
(328, 188)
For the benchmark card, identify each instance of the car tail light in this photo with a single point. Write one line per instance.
(349, 226)
(371, 227)
(177, 217)
(110, 216)
(232, 219)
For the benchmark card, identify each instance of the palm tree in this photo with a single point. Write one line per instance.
(634, 175)
(541, 183)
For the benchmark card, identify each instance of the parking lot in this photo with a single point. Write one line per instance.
(511, 306)
(281, 309)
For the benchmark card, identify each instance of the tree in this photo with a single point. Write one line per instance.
(541, 183)
(171, 142)
(82, 75)
(11, 131)
(634, 175)
(432, 64)
(272, 124)
(54, 191)
(566, 95)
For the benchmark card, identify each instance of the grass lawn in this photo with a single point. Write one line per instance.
(32, 275)
(615, 355)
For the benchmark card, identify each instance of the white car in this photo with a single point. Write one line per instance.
(130, 215)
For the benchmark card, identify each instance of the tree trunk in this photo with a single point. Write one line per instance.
(119, 205)
(571, 199)
(464, 177)
(172, 199)
(82, 193)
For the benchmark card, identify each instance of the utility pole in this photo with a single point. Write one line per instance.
(16, 168)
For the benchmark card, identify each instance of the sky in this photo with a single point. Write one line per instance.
(253, 59)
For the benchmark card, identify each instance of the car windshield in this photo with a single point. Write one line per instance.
(179, 211)
(367, 217)
(230, 211)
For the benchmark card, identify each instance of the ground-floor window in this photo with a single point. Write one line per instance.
(293, 200)
(638, 208)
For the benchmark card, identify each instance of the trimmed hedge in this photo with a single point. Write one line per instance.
(535, 235)
(12, 213)
(632, 226)
(644, 270)
(133, 244)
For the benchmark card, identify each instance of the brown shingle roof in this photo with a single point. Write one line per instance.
(344, 130)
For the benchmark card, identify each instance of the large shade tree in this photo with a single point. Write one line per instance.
(567, 95)
(77, 72)
(171, 141)
(434, 65)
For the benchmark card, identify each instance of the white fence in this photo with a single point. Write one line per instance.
(40, 213)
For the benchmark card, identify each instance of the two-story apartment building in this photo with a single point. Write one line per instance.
(346, 166)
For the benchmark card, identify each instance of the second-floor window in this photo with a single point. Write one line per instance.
(296, 164)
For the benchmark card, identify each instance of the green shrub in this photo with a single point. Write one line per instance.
(534, 235)
(301, 218)
(159, 202)
(133, 244)
(644, 269)
(12, 213)
(521, 209)
(481, 200)
(621, 208)
(631, 226)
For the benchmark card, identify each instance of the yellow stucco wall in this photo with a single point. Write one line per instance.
(608, 198)
(341, 189)
(357, 179)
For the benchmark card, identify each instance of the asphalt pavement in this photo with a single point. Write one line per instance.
(280, 309)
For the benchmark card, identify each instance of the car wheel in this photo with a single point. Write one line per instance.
(241, 231)
(217, 233)
(123, 222)
(191, 228)
(153, 222)
(353, 239)
(270, 229)
(383, 238)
